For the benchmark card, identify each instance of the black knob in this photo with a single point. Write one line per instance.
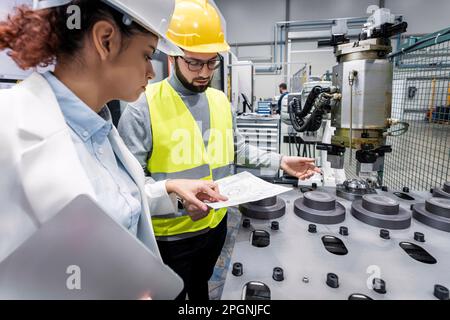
(237, 269)
(278, 274)
(246, 223)
(359, 296)
(343, 231)
(384, 188)
(431, 190)
(379, 285)
(274, 225)
(411, 207)
(441, 292)
(332, 280)
(314, 185)
(405, 189)
(419, 236)
(384, 234)
(312, 228)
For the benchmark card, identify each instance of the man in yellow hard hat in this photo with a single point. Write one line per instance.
(181, 128)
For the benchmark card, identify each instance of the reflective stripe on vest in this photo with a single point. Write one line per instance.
(179, 151)
(194, 173)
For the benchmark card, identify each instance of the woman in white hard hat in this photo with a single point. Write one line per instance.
(56, 137)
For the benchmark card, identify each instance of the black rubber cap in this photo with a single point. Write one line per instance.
(314, 185)
(274, 225)
(343, 231)
(384, 234)
(332, 280)
(379, 285)
(384, 188)
(411, 207)
(246, 223)
(312, 228)
(419, 236)
(441, 292)
(278, 274)
(405, 189)
(237, 269)
(359, 296)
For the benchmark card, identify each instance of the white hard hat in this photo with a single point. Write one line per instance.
(153, 15)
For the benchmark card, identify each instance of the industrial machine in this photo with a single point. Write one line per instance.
(359, 101)
(355, 239)
(300, 99)
(311, 244)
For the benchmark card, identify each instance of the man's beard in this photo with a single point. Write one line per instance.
(189, 85)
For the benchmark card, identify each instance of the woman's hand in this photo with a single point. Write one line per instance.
(193, 193)
(302, 168)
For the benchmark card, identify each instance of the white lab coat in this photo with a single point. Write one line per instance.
(40, 171)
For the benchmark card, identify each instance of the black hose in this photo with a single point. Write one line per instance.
(290, 144)
(315, 120)
(297, 124)
(297, 114)
(309, 103)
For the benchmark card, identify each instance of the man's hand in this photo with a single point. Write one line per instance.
(194, 193)
(302, 168)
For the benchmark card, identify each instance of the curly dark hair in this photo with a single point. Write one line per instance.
(41, 37)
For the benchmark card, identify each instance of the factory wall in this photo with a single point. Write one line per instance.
(250, 21)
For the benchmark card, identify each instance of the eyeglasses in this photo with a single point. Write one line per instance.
(197, 65)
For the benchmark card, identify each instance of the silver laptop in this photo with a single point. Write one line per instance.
(82, 253)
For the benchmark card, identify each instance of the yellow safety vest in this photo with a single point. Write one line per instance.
(179, 150)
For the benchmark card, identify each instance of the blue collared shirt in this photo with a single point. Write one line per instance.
(116, 191)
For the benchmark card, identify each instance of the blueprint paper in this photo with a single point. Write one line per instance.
(245, 187)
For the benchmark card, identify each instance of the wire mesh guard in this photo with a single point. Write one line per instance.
(421, 97)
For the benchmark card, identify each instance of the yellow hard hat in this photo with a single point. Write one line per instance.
(196, 27)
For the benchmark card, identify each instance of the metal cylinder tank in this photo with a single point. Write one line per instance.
(364, 76)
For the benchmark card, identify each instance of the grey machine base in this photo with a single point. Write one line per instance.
(443, 192)
(434, 213)
(270, 208)
(380, 213)
(350, 195)
(319, 209)
(306, 261)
